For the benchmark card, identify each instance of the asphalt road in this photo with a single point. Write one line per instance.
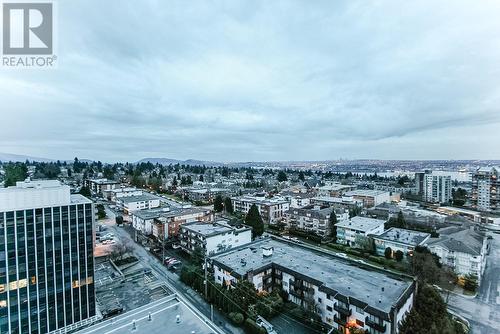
(171, 279)
(483, 311)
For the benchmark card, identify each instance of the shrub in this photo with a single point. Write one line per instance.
(388, 253)
(236, 318)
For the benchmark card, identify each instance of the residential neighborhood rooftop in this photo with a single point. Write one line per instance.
(377, 288)
(210, 229)
(138, 198)
(358, 223)
(404, 236)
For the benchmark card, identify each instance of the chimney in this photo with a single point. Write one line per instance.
(267, 251)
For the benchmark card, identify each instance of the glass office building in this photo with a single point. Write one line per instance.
(46, 258)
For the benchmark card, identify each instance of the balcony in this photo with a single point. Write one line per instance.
(342, 310)
(299, 294)
(375, 325)
(339, 320)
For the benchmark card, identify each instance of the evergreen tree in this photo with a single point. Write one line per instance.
(428, 315)
(282, 176)
(333, 227)
(228, 205)
(218, 204)
(254, 220)
(85, 191)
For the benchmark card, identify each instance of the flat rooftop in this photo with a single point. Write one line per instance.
(208, 229)
(366, 192)
(138, 198)
(183, 211)
(38, 194)
(364, 224)
(403, 236)
(345, 276)
(260, 200)
(150, 214)
(163, 313)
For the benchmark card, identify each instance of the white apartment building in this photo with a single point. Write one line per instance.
(271, 210)
(486, 189)
(399, 239)
(114, 194)
(349, 230)
(143, 220)
(463, 250)
(213, 237)
(97, 186)
(370, 198)
(130, 204)
(437, 188)
(297, 199)
(343, 293)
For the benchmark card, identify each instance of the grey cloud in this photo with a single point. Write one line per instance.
(261, 80)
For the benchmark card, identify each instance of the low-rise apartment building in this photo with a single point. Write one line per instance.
(463, 250)
(114, 194)
(143, 220)
(399, 239)
(214, 237)
(338, 202)
(272, 210)
(370, 198)
(205, 194)
(314, 218)
(349, 230)
(343, 293)
(97, 186)
(130, 204)
(334, 190)
(168, 224)
(297, 199)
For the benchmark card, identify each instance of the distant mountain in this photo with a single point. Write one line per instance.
(5, 157)
(189, 162)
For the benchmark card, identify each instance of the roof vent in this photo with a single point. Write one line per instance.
(267, 251)
(177, 318)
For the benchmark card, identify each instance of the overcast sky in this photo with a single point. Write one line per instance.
(269, 80)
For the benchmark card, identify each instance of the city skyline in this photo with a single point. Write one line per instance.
(261, 82)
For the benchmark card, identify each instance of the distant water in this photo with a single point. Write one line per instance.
(460, 176)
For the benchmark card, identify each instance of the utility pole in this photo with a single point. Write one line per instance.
(206, 281)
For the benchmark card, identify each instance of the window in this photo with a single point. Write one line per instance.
(360, 310)
(329, 308)
(319, 300)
